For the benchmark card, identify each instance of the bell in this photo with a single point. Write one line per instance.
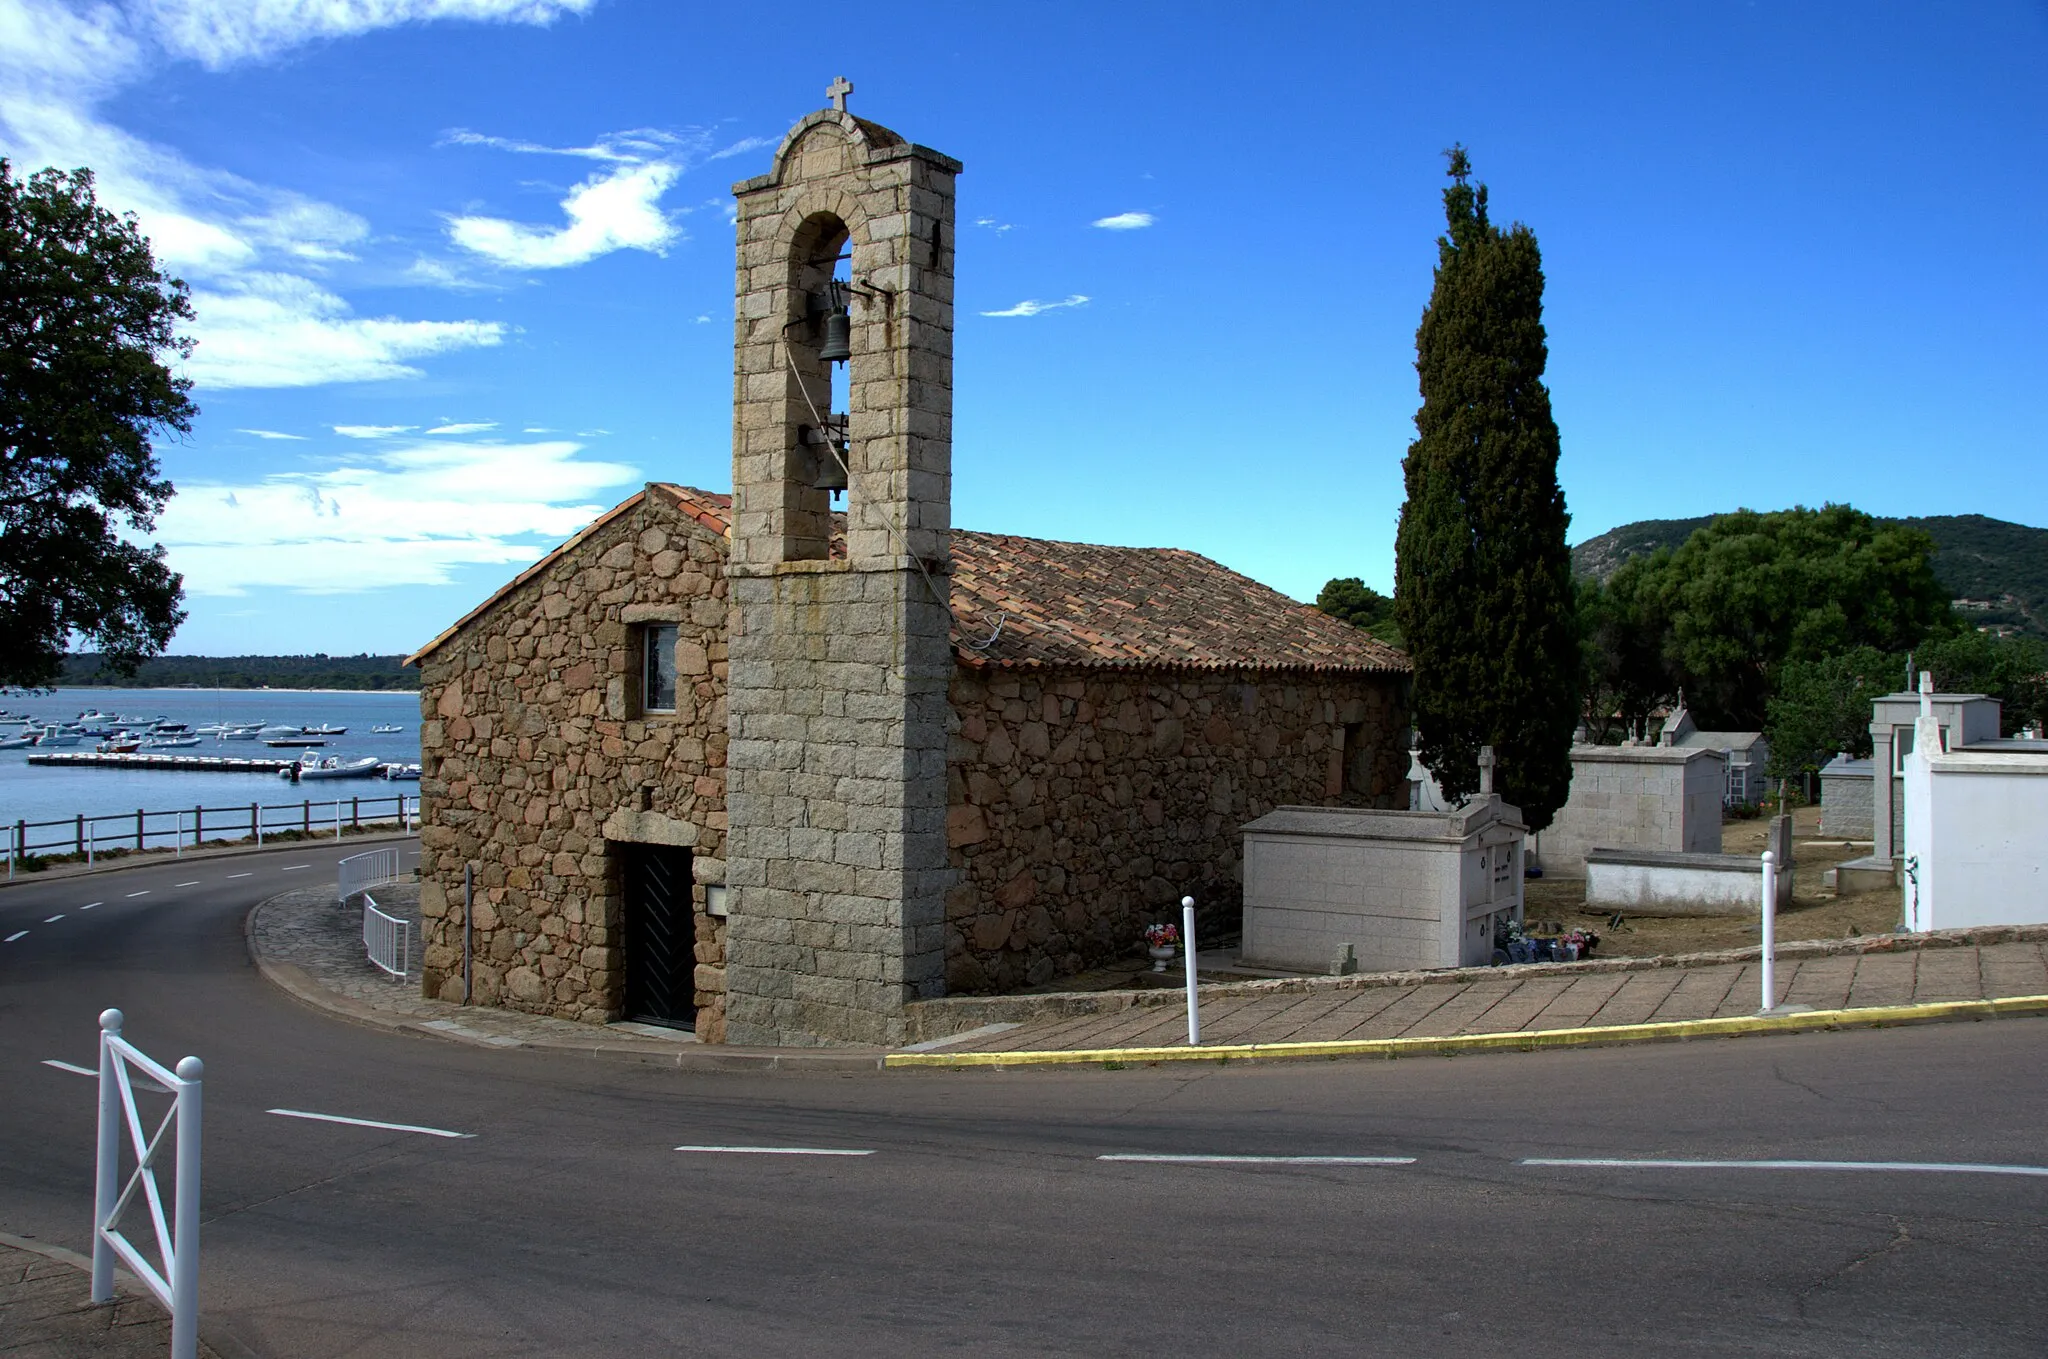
(838, 343)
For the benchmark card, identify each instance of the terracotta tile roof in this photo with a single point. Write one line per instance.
(1031, 602)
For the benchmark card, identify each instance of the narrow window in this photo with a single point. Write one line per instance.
(658, 677)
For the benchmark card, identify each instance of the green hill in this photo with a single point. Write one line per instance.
(1996, 571)
(249, 672)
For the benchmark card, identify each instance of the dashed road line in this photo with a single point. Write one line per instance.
(1922, 1167)
(367, 1123)
(68, 1066)
(143, 893)
(1162, 1158)
(90, 904)
(780, 1151)
(241, 875)
(184, 884)
(18, 934)
(293, 868)
(51, 920)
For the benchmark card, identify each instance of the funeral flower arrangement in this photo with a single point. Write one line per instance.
(1161, 935)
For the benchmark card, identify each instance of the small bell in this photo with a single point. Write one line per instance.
(838, 343)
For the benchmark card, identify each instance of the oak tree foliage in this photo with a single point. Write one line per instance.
(87, 322)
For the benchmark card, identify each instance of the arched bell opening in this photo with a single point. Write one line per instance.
(818, 457)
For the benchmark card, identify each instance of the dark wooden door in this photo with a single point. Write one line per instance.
(661, 936)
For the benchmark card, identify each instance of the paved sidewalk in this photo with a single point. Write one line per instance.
(46, 1310)
(1883, 972)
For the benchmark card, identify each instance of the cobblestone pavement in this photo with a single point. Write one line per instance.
(46, 1312)
(1504, 1003)
(307, 937)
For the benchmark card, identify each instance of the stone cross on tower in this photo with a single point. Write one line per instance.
(838, 90)
(1486, 771)
(1926, 693)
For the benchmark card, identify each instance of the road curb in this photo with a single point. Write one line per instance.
(214, 1341)
(294, 981)
(1734, 1026)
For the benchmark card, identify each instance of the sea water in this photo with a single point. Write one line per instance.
(41, 793)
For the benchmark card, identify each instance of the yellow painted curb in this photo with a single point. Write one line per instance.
(1733, 1026)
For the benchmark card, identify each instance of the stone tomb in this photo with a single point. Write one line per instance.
(1638, 798)
(1397, 889)
(1976, 844)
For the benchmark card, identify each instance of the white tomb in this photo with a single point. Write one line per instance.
(1393, 889)
(1976, 850)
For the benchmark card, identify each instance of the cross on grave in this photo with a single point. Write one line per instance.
(1486, 771)
(837, 91)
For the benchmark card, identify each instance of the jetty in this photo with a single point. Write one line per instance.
(190, 764)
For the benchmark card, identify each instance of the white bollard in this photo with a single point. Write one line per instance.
(1770, 949)
(92, 845)
(1187, 949)
(178, 838)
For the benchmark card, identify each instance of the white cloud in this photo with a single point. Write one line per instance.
(441, 274)
(219, 33)
(246, 247)
(473, 427)
(992, 224)
(271, 434)
(278, 330)
(409, 516)
(1125, 221)
(619, 209)
(1032, 306)
(372, 431)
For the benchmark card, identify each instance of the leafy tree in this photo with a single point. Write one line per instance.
(1483, 588)
(86, 320)
(1357, 603)
(1822, 707)
(2013, 670)
(1750, 592)
(1626, 676)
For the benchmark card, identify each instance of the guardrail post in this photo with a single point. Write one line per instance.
(92, 846)
(199, 826)
(139, 845)
(81, 833)
(178, 835)
(306, 807)
(184, 1279)
(256, 823)
(107, 1169)
(355, 813)
(1770, 921)
(1187, 949)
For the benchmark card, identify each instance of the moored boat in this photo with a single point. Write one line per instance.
(333, 767)
(396, 772)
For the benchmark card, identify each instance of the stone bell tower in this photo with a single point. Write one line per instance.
(837, 707)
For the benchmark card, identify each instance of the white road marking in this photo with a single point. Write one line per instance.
(293, 868)
(66, 1066)
(143, 893)
(367, 1123)
(184, 884)
(241, 875)
(781, 1151)
(90, 904)
(1163, 1159)
(1928, 1167)
(18, 934)
(54, 919)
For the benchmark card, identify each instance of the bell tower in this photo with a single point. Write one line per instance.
(840, 657)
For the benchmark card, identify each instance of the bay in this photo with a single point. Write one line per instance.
(37, 794)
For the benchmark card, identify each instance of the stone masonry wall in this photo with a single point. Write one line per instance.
(532, 739)
(1083, 804)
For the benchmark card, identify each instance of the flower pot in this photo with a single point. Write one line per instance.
(1162, 954)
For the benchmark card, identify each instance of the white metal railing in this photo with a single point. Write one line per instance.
(387, 939)
(359, 872)
(175, 1277)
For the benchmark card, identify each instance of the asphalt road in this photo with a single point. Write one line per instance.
(565, 1222)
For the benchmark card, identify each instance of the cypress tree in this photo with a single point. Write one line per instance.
(1483, 583)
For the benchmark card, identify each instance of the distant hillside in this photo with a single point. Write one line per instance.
(1996, 571)
(250, 672)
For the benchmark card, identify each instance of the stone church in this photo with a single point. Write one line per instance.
(780, 770)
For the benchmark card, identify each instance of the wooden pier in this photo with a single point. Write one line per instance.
(190, 764)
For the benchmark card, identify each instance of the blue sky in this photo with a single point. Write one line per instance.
(463, 267)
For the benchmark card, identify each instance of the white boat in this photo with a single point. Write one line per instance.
(16, 742)
(396, 772)
(387, 729)
(333, 767)
(240, 733)
(323, 730)
(59, 738)
(169, 742)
